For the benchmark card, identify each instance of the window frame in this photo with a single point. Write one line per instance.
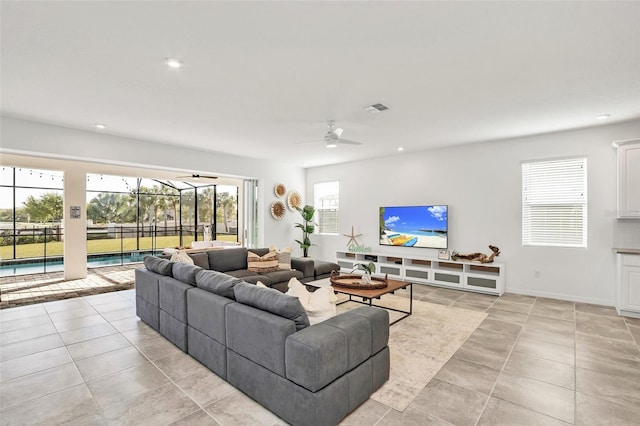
(318, 229)
(571, 193)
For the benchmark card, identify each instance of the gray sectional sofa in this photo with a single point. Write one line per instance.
(260, 340)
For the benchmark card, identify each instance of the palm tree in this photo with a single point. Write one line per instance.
(226, 202)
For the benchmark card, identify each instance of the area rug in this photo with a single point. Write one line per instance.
(420, 345)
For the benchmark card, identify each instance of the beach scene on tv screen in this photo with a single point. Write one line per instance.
(414, 226)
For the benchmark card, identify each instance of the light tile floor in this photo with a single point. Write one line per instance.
(533, 361)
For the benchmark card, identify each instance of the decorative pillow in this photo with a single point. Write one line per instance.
(262, 264)
(261, 285)
(182, 257)
(319, 305)
(158, 265)
(273, 301)
(284, 258)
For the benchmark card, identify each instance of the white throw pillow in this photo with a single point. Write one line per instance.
(284, 257)
(182, 257)
(260, 284)
(320, 305)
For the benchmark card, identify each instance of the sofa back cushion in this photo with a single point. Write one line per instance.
(159, 266)
(228, 259)
(217, 283)
(262, 264)
(185, 272)
(200, 259)
(272, 301)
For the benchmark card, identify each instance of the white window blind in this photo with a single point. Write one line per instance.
(327, 203)
(554, 203)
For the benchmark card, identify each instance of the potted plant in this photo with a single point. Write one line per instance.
(368, 270)
(308, 226)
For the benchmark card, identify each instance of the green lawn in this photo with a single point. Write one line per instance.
(98, 246)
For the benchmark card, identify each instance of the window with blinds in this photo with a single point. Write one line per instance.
(554, 203)
(327, 203)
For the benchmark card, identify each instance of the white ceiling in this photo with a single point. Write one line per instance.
(260, 77)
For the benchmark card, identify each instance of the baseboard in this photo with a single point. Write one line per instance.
(560, 296)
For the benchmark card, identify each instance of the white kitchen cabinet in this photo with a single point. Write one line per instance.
(628, 284)
(628, 179)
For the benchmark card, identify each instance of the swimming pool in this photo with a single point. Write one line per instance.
(58, 266)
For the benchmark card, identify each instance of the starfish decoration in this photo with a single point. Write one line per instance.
(352, 237)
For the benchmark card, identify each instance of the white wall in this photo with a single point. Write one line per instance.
(481, 183)
(32, 144)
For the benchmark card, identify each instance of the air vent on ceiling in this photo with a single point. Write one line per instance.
(375, 108)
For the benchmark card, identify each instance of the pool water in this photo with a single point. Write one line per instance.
(58, 266)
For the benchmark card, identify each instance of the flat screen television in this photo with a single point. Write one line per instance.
(414, 226)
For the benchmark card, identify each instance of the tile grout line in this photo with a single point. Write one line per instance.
(484, 407)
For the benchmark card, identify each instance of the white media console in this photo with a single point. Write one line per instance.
(460, 274)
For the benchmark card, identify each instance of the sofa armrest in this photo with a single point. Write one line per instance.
(319, 354)
(306, 266)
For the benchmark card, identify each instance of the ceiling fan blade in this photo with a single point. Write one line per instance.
(348, 142)
(337, 131)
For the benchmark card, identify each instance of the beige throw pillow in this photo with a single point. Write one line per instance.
(181, 256)
(284, 257)
(319, 305)
(262, 264)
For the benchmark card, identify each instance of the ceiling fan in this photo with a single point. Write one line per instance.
(333, 137)
(196, 176)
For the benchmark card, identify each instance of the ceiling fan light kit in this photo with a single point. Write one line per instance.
(333, 137)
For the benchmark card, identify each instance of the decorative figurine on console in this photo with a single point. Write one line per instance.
(477, 257)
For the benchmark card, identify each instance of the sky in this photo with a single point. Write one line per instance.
(416, 217)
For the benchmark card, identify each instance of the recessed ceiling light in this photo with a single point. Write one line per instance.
(400, 148)
(331, 144)
(173, 63)
(99, 126)
(603, 116)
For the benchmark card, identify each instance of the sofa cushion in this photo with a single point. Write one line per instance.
(217, 283)
(181, 256)
(159, 266)
(273, 301)
(322, 267)
(262, 264)
(228, 259)
(281, 276)
(185, 272)
(284, 257)
(248, 276)
(200, 259)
